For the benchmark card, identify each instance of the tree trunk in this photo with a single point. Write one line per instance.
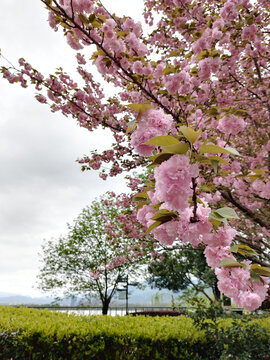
(266, 303)
(216, 292)
(105, 306)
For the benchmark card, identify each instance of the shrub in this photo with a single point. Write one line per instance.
(28, 334)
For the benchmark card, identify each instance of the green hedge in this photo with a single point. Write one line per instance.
(27, 334)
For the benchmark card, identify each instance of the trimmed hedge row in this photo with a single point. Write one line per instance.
(29, 334)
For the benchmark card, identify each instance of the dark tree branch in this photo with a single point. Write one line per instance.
(200, 289)
(227, 195)
(194, 218)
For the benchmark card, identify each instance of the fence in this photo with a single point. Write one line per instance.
(97, 310)
(113, 311)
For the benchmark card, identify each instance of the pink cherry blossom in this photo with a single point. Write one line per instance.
(249, 300)
(144, 214)
(166, 233)
(222, 237)
(214, 255)
(140, 136)
(231, 125)
(173, 181)
(73, 42)
(151, 123)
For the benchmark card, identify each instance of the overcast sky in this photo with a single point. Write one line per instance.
(41, 185)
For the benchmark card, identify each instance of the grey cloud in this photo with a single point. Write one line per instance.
(41, 185)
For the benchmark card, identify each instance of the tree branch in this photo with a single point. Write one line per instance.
(200, 289)
(227, 195)
(129, 74)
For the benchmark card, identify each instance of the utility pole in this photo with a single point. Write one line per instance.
(124, 280)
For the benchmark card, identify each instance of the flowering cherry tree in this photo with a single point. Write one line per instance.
(191, 102)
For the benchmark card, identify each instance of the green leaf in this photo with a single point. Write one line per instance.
(174, 53)
(232, 151)
(102, 18)
(258, 171)
(243, 249)
(211, 159)
(158, 159)
(203, 54)
(141, 196)
(169, 69)
(254, 276)
(227, 213)
(234, 248)
(194, 72)
(164, 140)
(180, 148)
(92, 18)
(84, 19)
(164, 215)
(215, 216)
(215, 223)
(163, 218)
(165, 211)
(261, 270)
(140, 107)
(141, 204)
(96, 23)
(227, 262)
(210, 148)
(213, 111)
(190, 134)
(153, 226)
(240, 112)
(217, 158)
(214, 164)
(122, 34)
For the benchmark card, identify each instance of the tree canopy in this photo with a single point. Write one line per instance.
(185, 269)
(96, 251)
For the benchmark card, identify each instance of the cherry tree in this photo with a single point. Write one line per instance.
(191, 101)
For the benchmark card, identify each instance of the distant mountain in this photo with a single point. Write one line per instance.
(146, 296)
(5, 294)
(24, 300)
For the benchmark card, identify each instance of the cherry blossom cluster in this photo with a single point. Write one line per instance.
(235, 283)
(175, 183)
(173, 179)
(151, 123)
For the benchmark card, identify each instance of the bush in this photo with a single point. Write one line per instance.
(238, 337)
(42, 334)
(28, 334)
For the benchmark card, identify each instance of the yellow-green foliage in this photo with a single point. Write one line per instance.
(63, 324)
(42, 334)
(63, 336)
(262, 322)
